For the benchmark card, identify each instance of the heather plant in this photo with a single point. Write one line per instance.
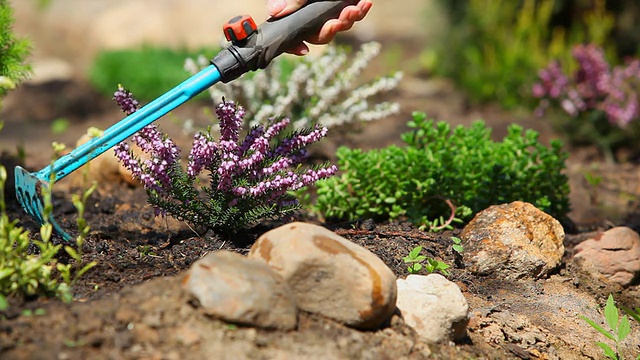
(461, 165)
(323, 90)
(230, 183)
(493, 48)
(601, 101)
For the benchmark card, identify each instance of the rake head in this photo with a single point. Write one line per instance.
(29, 193)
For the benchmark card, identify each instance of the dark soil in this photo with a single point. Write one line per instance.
(141, 258)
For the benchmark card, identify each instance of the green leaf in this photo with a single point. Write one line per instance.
(73, 253)
(415, 252)
(624, 328)
(415, 268)
(634, 314)
(608, 352)
(611, 314)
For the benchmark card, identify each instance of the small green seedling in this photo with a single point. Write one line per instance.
(620, 328)
(457, 244)
(414, 258)
(435, 265)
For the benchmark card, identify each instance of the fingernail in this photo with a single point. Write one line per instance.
(276, 6)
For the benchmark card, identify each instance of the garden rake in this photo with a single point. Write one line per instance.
(251, 48)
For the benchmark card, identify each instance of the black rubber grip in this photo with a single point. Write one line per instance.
(275, 36)
(282, 34)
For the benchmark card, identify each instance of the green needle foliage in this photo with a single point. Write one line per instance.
(462, 165)
(22, 273)
(13, 52)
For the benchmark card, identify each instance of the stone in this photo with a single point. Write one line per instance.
(330, 275)
(513, 241)
(433, 306)
(239, 290)
(614, 253)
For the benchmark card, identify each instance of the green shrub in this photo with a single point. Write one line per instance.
(439, 163)
(22, 273)
(494, 48)
(148, 71)
(25, 273)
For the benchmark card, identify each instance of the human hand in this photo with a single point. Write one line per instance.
(348, 16)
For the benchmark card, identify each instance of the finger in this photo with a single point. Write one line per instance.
(348, 17)
(327, 32)
(278, 8)
(300, 50)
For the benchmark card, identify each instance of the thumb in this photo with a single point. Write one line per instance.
(277, 8)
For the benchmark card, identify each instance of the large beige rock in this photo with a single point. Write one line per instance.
(330, 275)
(513, 241)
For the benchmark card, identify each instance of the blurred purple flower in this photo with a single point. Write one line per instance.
(595, 86)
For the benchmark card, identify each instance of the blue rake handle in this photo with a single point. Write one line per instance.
(133, 123)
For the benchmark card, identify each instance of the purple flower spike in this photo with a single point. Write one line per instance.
(125, 100)
(203, 153)
(231, 118)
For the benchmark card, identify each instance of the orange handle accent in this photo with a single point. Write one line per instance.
(239, 28)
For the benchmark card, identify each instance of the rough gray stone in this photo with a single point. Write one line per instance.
(330, 275)
(236, 289)
(513, 241)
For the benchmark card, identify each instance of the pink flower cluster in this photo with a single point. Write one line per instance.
(593, 87)
(265, 172)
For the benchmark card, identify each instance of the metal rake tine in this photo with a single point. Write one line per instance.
(29, 195)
